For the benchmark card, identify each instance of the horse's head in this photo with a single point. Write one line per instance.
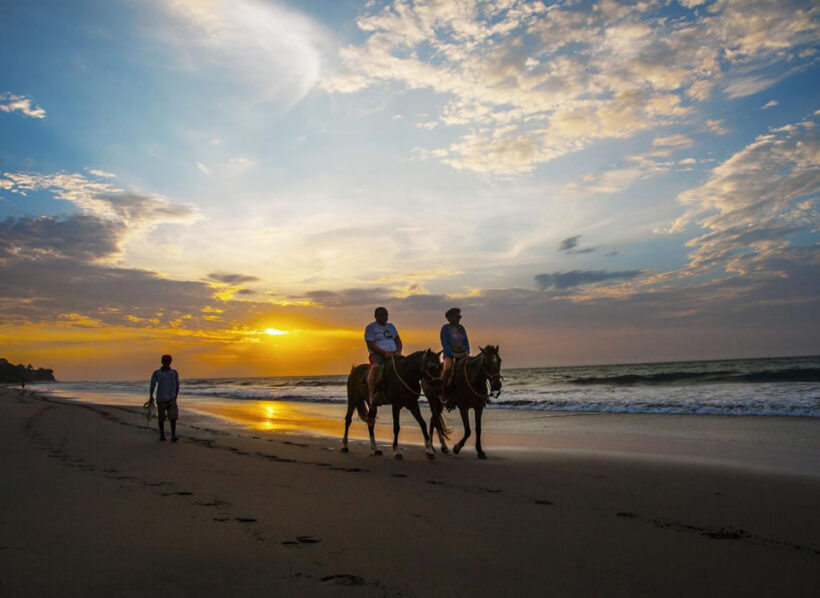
(491, 363)
(430, 365)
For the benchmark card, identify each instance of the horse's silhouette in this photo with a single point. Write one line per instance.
(468, 389)
(400, 388)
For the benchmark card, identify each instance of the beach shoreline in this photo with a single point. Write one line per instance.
(265, 512)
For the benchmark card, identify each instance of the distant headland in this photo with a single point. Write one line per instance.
(21, 373)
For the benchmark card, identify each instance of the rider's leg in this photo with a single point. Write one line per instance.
(371, 383)
(446, 372)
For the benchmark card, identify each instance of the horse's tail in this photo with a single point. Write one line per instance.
(442, 425)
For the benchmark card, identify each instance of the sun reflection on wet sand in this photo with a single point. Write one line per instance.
(274, 416)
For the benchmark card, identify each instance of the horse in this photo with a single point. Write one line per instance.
(401, 389)
(468, 390)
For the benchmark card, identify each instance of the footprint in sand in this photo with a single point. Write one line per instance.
(301, 540)
(344, 579)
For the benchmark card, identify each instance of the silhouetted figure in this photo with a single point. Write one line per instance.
(383, 342)
(166, 382)
(454, 345)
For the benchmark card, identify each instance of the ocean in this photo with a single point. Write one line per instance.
(786, 386)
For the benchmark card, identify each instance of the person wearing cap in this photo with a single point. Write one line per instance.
(166, 382)
(454, 344)
(383, 342)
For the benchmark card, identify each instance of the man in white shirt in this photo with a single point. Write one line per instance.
(383, 342)
(166, 382)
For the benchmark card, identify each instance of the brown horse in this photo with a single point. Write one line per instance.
(473, 381)
(400, 388)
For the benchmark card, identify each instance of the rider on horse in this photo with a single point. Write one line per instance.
(383, 343)
(455, 345)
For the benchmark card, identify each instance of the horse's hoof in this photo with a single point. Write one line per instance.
(431, 456)
(377, 453)
(456, 449)
(482, 455)
(345, 449)
(398, 456)
(444, 450)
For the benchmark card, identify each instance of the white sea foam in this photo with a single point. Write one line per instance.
(784, 387)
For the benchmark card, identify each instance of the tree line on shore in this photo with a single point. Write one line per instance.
(20, 373)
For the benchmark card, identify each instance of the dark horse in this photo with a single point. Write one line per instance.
(400, 388)
(473, 381)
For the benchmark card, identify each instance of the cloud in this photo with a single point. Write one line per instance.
(10, 102)
(569, 243)
(754, 203)
(37, 290)
(574, 278)
(102, 199)
(101, 173)
(525, 82)
(265, 46)
(748, 86)
(228, 278)
(348, 297)
(77, 236)
(676, 141)
(769, 104)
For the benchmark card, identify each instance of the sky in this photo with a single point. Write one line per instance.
(241, 182)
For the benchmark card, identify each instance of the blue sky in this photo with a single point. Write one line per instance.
(589, 181)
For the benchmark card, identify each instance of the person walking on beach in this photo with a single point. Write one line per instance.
(454, 346)
(383, 342)
(166, 382)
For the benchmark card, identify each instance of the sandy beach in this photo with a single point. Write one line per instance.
(594, 505)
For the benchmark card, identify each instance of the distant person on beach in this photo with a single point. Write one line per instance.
(383, 343)
(454, 346)
(166, 382)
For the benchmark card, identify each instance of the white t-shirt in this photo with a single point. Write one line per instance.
(384, 336)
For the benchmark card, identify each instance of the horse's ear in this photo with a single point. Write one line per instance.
(480, 348)
(439, 353)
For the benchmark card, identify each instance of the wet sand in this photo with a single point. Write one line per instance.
(586, 505)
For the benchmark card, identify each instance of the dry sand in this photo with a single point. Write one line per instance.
(92, 505)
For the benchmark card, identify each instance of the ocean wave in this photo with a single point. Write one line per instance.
(788, 375)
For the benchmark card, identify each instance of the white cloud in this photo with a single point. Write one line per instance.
(202, 168)
(769, 104)
(753, 203)
(101, 173)
(676, 141)
(10, 102)
(531, 82)
(264, 46)
(103, 200)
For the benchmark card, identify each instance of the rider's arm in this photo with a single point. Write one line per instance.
(153, 385)
(466, 341)
(445, 341)
(398, 344)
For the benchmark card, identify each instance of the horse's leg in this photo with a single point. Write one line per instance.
(371, 425)
(466, 422)
(479, 409)
(436, 409)
(428, 438)
(396, 427)
(348, 419)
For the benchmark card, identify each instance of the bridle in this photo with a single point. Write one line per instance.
(488, 377)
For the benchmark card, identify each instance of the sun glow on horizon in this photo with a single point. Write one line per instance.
(276, 332)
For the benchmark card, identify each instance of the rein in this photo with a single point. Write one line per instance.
(395, 369)
(488, 377)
